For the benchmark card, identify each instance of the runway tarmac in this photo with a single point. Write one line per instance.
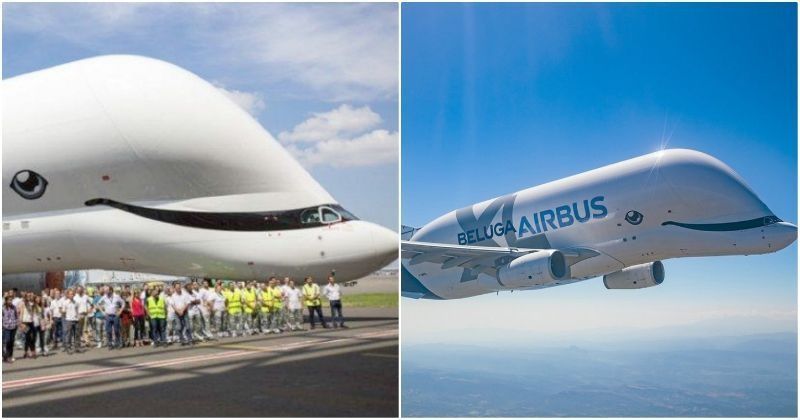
(321, 373)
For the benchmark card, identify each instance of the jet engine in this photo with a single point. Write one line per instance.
(636, 277)
(534, 269)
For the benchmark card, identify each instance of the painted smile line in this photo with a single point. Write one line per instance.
(261, 221)
(729, 226)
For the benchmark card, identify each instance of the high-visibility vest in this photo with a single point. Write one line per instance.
(277, 296)
(249, 301)
(234, 300)
(266, 300)
(157, 308)
(308, 291)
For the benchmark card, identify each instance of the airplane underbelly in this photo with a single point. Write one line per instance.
(25, 252)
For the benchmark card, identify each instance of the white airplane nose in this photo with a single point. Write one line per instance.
(385, 243)
(782, 234)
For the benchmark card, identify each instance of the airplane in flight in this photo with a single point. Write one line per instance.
(134, 164)
(619, 222)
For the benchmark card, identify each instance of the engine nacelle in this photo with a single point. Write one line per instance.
(534, 269)
(636, 277)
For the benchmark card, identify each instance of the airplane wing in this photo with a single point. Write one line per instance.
(476, 258)
(482, 259)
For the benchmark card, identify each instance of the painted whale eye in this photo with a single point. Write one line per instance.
(28, 184)
(634, 217)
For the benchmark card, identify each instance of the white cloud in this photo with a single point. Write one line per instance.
(348, 51)
(342, 138)
(338, 52)
(249, 101)
(325, 125)
(81, 24)
(374, 148)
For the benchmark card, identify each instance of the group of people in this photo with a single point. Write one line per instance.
(160, 315)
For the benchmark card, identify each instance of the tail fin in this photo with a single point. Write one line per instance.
(406, 232)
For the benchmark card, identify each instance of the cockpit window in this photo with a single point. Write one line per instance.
(771, 220)
(310, 216)
(329, 215)
(346, 215)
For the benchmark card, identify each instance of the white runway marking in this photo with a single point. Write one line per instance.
(242, 349)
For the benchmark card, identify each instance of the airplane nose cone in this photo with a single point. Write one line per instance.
(782, 234)
(385, 243)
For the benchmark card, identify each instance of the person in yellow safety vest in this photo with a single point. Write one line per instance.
(277, 307)
(251, 312)
(266, 306)
(157, 311)
(313, 302)
(233, 300)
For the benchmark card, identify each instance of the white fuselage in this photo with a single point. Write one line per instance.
(128, 163)
(669, 204)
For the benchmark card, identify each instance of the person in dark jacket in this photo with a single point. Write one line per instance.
(10, 324)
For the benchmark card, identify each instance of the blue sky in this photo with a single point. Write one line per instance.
(497, 98)
(322, 78)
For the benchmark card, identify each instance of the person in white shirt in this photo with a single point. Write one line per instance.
(112, 305)
(205, 309)
(98, 316)
(172, 319)
(84, 304)
(58, 324)
(46, 326)
(181, 301)
(195, 312)
(285, 308)
(70, 308)
(219, 312)
(61, 302)
(27, 315)
(294, 307)
(333, 292)
(17, 299)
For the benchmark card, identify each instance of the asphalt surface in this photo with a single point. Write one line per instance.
(321, 373)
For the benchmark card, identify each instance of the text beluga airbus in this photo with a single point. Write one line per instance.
(561, 216)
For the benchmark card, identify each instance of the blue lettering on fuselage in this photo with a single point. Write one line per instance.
(544, 220)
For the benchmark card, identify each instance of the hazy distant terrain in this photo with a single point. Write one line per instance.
(381, 282)
(754, 375)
